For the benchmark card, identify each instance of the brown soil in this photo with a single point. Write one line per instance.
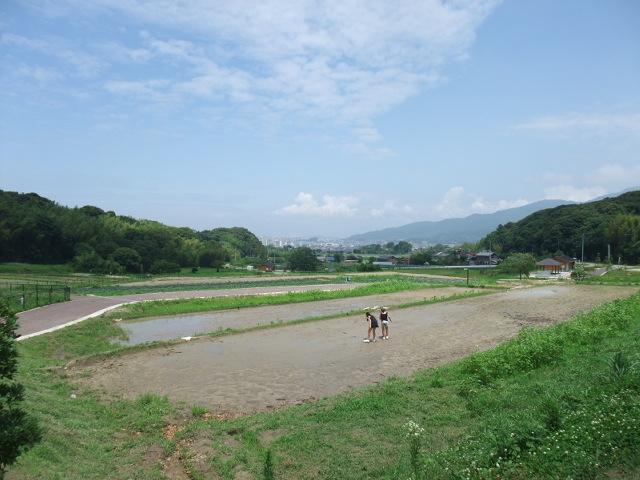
(177, 326)
(267, 369)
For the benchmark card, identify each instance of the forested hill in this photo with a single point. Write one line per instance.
(611, 221)
(35, 229)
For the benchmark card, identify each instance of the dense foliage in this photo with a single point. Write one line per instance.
(303, 259)
(37, 230)
(389, 248)
(520, 263)
(612, 221)
(18, 431)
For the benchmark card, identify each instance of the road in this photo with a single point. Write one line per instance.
(59, 315)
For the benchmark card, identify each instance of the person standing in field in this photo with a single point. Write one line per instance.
(373, 324)
(385, 319)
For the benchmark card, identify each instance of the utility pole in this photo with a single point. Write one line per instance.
(583, 248)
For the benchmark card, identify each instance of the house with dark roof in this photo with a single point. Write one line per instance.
(549, 264)
(484, 258)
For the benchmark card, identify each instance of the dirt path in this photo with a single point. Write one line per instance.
(272, 277)
(177, 326)
(51, 317)
(269, 368)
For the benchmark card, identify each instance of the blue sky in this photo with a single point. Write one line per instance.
(307, 118)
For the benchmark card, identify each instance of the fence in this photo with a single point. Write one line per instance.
(26, 296)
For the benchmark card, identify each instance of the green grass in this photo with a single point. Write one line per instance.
(20, 297)
(32, 268)
(117, 290)
(615, 277)
(483, 417)
(85, 436)
(176, 307)
(477, 276)
(470, 411)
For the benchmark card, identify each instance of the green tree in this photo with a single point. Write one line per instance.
(129, 258)
(303, 259)
(89, 262)
(402, 247)
(419, 258)
(520, 263)
(212, 257)
(579, 273)
(18, 431)
(163, 266)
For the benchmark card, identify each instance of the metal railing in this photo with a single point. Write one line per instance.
(24, 296)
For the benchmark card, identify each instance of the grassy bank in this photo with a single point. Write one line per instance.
(176, 307)
(561, 402)
(116, 290)
(615, 277)
(571, 391)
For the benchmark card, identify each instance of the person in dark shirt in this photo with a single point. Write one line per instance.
(373, 324)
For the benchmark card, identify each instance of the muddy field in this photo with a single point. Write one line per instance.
(266, 369)
(177, 326)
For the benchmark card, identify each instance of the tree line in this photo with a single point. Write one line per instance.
(611, 223)
(34, 229)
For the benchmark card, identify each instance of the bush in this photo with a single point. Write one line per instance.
(164, 266)
(89, 262)
(128, 258)
(18, 431)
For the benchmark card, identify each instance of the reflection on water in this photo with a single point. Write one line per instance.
(172, 327)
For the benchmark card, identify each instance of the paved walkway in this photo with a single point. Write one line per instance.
(59, 315)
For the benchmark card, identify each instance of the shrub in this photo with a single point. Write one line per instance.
(164, 266)
(18, 431)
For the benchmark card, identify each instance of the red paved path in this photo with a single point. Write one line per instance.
(40, 320)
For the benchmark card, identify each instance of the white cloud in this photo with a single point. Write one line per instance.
(575, 194)
(456, 202)
(306, 204)
(616, 175)
(582, 187)
(341, 61)
(598, 123)
(390, 209)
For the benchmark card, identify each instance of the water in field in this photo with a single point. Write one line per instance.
(178, 326)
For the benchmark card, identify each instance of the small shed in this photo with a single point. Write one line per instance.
(567, 262)
(550, 264)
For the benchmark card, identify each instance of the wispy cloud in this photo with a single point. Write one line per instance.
(573, 193)
(599, 123)
(330, 206)
(457, 202)
(339, 62)
(83, 63)
(391, 209)
(585, 186)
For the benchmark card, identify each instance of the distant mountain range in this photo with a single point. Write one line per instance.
(455, 230)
